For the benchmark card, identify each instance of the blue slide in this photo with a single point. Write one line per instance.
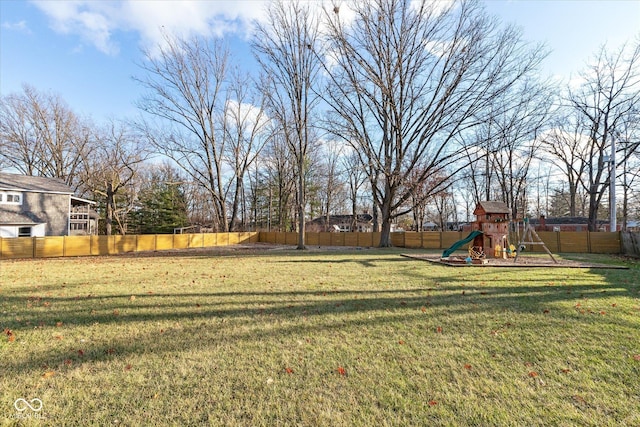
(459, 243)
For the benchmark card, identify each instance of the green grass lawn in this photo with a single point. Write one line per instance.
(353, 338)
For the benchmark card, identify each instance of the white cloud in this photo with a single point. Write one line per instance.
(20, 26)
(96, 22)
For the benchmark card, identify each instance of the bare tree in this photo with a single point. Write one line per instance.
(279, 181)
(110, 171)
(40, 135)
(356, 177)
(284, 47)
(408, 78)
(517, 130)
(245, 131)
(609, 95)
(185, 81)
(568, 152)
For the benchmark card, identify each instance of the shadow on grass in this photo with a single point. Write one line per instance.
(290, 313)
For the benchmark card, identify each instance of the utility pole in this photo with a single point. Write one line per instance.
(612, 186)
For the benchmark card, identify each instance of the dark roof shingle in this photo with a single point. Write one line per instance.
(38, 184)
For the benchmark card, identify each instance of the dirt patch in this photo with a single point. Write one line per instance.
(522, 261)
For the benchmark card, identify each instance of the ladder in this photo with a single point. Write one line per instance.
(530, 237)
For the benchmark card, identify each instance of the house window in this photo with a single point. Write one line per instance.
(11, 198)
(24, 232)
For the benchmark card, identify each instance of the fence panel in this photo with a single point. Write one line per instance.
(146, 242)
(412, 239)
(365, 239)
(124, 244)
(605, 243)
(431, 240)
(337, 239)
(450, 237)
(630, 243)
(209, 240)
(16, 247)
(574, 241)
(47, 247)
(312, 239)
(100, 245)
(77, 245)
(324, 238)
(351, 239)
(550, 239)
(164, 242)
(397, 239)
(196, 240)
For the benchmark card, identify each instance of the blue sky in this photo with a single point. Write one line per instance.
(87, 51)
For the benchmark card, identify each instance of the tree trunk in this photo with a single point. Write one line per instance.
(301, 191)
(110, 208)
(385, 232)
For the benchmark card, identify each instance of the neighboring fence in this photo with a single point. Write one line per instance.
(43, 247)
(630, 243)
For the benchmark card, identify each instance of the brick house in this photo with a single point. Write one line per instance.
(32, 206)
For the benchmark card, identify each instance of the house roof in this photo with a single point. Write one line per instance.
(19, 218)
(567, 220)
(492, 207)
(38, 184)
(340, 219)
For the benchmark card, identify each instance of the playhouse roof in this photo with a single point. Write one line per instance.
(487, 207)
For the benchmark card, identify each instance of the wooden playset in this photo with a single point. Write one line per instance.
(489, 237)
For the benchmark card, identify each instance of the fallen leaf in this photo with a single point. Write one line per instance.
(579, 400)
(613, 305)
(423, 309)
(439, 329)
(546, 311)
(116, 312)
(401, 342)
(11, 338)
(80, 352)
(533, 374)
(566, 370)
(48, 374)
(288, 370)
(467, 367)
(602, 313)
(432, 403)
(636, 357)
(341, 370)
(58, 337)
(128, 367)
(68, 362)
(110, 350)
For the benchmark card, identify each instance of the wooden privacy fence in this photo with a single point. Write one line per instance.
(60, 246)
(562, 241)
